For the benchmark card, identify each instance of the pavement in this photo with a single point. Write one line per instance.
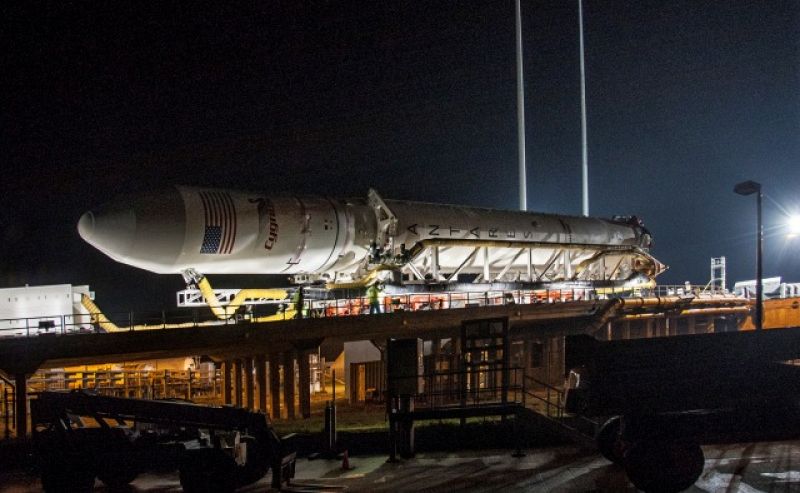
(745, 468)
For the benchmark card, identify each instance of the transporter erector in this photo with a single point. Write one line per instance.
(354, 242)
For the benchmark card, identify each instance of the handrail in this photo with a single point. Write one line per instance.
(559, 407)
(448, 388)
(97, 321)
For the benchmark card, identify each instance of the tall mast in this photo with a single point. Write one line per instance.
(584, 150)
(523, 193)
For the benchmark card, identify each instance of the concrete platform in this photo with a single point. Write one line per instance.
(745, 468)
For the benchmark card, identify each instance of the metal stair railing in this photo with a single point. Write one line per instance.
(552, 401)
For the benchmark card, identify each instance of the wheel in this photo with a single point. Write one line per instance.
(257, 465)
(59, 478)
(117, 461)
(63, 467)
(664, 466)
(118, 477)
(208, 471)
(608, 440)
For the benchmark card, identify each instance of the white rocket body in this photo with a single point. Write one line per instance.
(234, 232)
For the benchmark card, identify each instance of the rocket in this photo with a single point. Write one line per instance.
(215, 231)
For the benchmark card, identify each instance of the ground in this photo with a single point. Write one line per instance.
(745, 468)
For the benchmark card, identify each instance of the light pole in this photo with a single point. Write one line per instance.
(584, 144)
(748, 188)
(793, 224)
(523, 182)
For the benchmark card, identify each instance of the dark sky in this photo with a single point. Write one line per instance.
(417, 99)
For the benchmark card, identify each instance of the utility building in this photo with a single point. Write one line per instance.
(30, 310)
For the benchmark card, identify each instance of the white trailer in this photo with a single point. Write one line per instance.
(31, 310)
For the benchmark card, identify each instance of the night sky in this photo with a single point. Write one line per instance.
(416, 99)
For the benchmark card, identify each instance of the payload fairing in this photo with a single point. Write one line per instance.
(349, 240)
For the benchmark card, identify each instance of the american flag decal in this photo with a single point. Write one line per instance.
(220, 231)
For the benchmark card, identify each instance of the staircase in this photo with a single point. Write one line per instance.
(542, 404)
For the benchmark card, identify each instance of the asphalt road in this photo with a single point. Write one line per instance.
(745, 468)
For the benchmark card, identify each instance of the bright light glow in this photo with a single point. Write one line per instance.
(793, 224)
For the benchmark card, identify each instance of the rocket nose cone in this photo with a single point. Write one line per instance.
(110, 230)
(86, 226)
(146, 231)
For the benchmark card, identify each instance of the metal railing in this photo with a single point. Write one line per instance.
(202, 385)
(357, 305)
(548, 396)
(44, 324)
(311, 308)
(486, 385)
(139, 383)
(552, 398)
(686, 290)
(471, 387)
(413, 302)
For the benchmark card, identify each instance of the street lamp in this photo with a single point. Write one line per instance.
(748, 188)
(793, 224)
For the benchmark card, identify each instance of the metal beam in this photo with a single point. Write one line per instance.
(548, 264)
(509, 264)
(531, 270)
(567, 260)
(435, 262)
(415, 271)
(616, 268)
(467, 260)
(486, 275)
